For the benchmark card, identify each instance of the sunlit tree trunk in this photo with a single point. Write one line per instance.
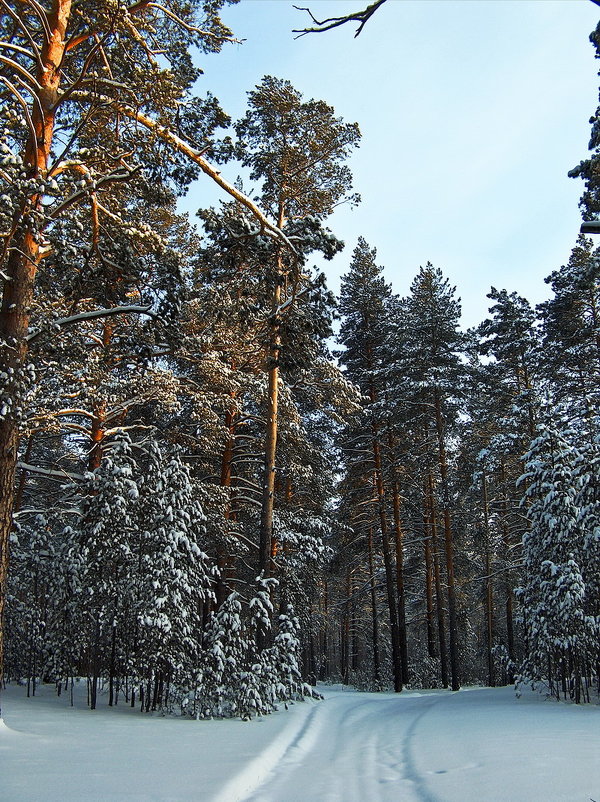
(270, 447)
(21, 269)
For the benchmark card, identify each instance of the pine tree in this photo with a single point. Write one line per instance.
(588, 168)
(570, 325)
(363, 303)
(504, 391)
(87, 106)
(427, 377)
(296, 149)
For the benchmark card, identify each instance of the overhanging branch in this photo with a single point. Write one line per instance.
(361, 17)
(115, 310)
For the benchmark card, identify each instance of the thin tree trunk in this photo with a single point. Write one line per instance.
(510, 637)
(112, 669)
(324, 668)
(95, 665)
(448, 543)
(23, 477)
(388, 566)
(431, 645)
(375, 638)
(489, 595)
(223, 559)
(439, 599)
(402, 635)
(345, 631)
(270, 447)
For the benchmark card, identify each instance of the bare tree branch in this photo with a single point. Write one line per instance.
(361, 17)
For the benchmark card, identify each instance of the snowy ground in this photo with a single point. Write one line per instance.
(478, 745)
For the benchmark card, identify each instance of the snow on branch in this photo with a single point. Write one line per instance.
(115, 310)
(24, 466)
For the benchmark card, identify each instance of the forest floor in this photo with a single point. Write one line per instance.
(477, 745)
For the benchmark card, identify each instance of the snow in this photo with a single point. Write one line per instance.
(477, 745)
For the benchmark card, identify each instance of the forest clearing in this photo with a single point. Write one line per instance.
(430, 746)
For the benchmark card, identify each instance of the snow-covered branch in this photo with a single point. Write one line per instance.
(97, 313)
(25, 466)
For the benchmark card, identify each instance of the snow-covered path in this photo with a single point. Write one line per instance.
(478, 745)
(352, 748)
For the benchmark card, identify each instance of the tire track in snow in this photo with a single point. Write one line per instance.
(352, 749)
(256, 772)
(410, 768)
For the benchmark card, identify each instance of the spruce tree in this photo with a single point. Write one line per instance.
(561, 635)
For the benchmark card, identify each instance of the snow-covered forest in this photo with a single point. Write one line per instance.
(221, 484)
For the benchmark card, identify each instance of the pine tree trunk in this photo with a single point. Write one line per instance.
(431, 646)
(21, 269)
(449, 545)
(439, 599)
(345, 631)
(223, 559)
(270, 447)
(324, 668)
(375, 638)
(112, 667)
(388, 566)
(95, 659)
(510, 637)
(489, 595)
(402, 635)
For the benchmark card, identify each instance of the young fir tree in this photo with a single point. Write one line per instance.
(106, 540)
(224, 658)
(561, 635)
(175, 579)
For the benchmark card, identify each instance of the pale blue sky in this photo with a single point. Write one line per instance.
(472, 112)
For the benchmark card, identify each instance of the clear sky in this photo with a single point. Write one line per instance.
(472, 112)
